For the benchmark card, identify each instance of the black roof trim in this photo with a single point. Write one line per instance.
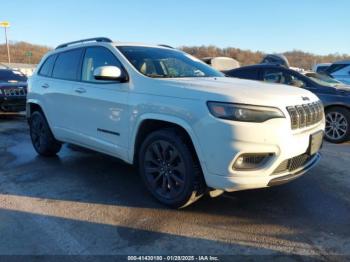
(168, 46)
(95, 39)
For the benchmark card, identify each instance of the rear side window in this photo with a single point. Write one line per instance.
(249, 73)
(96, 57)
(67, 65)
(46, 68)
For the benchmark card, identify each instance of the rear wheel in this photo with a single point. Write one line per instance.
(337, 125)
(42, 138)
(169, 169)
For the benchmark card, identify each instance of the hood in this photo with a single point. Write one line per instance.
(227, 89)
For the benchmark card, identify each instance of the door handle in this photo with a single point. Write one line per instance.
(80, 90)
(45, 86)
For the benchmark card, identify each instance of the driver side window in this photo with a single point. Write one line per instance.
(96, 57)
(274, 76)
(293, 80)
(280, 77)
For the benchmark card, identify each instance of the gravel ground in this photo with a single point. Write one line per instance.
(85, 203)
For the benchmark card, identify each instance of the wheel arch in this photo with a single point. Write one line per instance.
(33, 105)
(152, 122)
(345, 106)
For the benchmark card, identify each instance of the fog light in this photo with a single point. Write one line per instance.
(251, 161)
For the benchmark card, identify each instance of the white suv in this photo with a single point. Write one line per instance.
(189, 129)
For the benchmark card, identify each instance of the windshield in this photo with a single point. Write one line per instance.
(166, 63)
(323, 79)
(12, 76)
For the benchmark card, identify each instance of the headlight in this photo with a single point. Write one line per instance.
(244, 113)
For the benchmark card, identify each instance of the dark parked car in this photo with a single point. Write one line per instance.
(335, 96)
(13, 90)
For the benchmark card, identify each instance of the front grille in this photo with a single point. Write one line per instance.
(305, 115)
(14, 92)
(292, 164)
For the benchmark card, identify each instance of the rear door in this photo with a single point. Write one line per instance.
(99, 108)
(59, 91)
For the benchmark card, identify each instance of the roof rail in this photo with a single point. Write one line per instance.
(95, 39)
(168, 46)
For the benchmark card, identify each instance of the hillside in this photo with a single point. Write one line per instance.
(245, 57)
(18, 52)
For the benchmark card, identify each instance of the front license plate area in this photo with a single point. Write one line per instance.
(316, 141)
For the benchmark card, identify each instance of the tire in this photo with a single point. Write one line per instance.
(169, 169)
(42, 138)
(337, 125)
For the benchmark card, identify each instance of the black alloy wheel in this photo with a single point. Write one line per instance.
(169, 169)
(42, 138)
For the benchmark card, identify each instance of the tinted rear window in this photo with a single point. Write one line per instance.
(67, 65)
(46, 68)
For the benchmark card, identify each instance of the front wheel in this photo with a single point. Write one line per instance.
(169, 169)
(42, 138)
(337, 125)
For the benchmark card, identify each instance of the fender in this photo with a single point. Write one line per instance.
(166, 118)
(32, 101)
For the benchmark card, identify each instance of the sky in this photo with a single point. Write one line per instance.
(316, 26)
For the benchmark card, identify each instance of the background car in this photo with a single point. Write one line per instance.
(221, 63)
(324, 78)
(340, 70)
(335, 96)
(320, 68)
(13, 90)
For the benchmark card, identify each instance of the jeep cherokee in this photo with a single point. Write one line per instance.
(189, 129)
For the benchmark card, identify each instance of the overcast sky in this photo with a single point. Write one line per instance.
(317, 26)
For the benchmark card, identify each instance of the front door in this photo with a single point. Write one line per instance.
(100, 108)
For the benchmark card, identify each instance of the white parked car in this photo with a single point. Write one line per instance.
(189, 129)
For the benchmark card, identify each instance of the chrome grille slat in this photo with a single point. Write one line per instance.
(305, 115)
(302, 116)
(14, 92)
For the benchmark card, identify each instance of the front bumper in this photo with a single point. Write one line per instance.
(232, 139)
(237, 183)
(12, 104)
(285, 178)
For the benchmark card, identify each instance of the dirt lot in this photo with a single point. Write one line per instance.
(87, 203)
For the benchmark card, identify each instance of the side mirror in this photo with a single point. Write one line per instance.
(109, 73)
